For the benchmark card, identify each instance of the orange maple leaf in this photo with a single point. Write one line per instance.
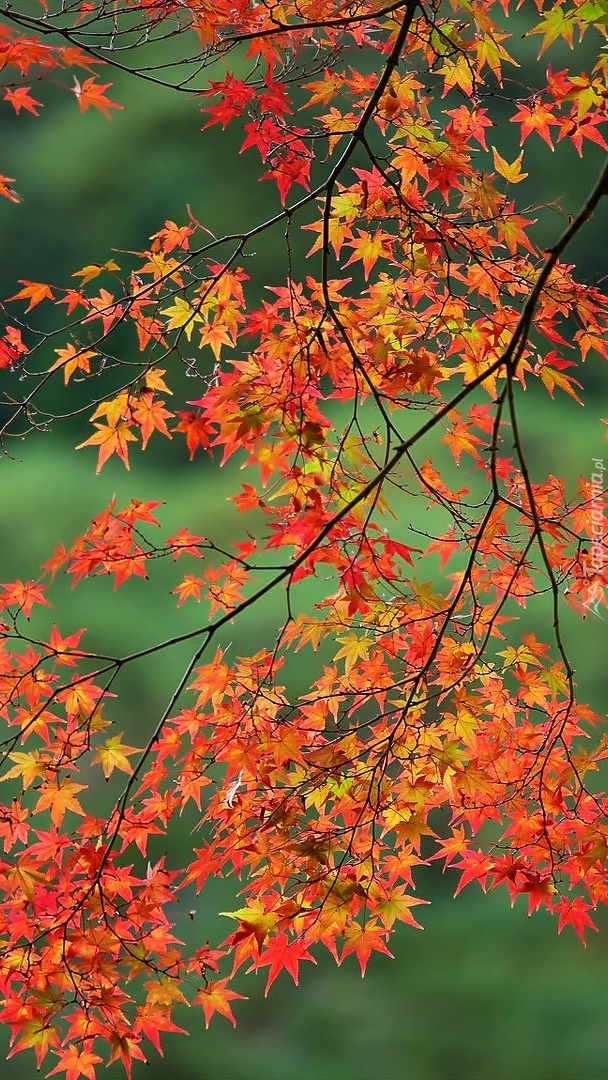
(196, 429)
(104, 308)
(58, 797)
(20, 98)
(23, 595)
(150, 416)
(190, 586)
(73, 359)
(34, 291)
(91, 93)
(216, 997)
(575, 913)
(111, 440)
(363, 940)
(369, 249)
(537, 117)
(75, 1063)
(151, 1021)
(281, 954)
(153, 380)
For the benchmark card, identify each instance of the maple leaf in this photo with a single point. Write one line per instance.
(153, 380)
(254, 920)
(587, 340)
(234, 95)
(182, 314)
(72, 300)
(324, 90)
(25, 879)
(111, 440)
(575, 913)
(555, 24)
(363, 940)
(551, 377)
(457, 72)
(354, 647)
(104, 308)
(114, 755)
(151, 1021)
(189, 587)
(91, 95)
(369, 249)
(474, 866)
(196, 429)
(150, 415)
(89, 273)
(460, 439)
(11, 348)
(80, 699)
(446, 546)
(215, 335)
(75, 1063)
(38, 1034)
(247, 499)
(125, 1048)
(540, 890)
(28, 766)
(20, 98)
(58, 797)
(33, 291)
(172, 236)
(586, 127)
(281, 954)
(72, 359)
(536, 117)
(23, 596)
(397, 906)
(216, 998)
(512, 172)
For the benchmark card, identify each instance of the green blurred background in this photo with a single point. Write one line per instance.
(484, 993)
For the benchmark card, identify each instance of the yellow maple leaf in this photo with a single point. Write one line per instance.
(114, 755)
(511, 172)
(255, 919)
(93, 270)
(29, 767)
(181, 314)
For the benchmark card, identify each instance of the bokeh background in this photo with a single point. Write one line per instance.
(483, 993)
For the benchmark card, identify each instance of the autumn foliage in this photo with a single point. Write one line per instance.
(433, 728)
